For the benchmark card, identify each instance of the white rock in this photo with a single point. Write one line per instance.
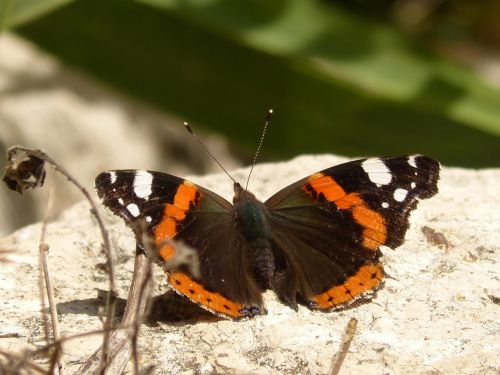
(435, 314)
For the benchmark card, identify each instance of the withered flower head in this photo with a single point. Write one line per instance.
(23, 171)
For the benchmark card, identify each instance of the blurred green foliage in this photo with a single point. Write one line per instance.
(16, 12)
(340, 79)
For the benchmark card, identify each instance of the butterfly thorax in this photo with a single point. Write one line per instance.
(251, 215)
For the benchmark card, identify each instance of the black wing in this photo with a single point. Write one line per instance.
(327, 228)
(179, 215)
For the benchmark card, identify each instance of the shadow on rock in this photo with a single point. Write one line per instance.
(165, 308)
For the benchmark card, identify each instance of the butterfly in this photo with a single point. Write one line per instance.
(316, 242)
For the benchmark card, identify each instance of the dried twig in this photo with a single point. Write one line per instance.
(135, 310)
(120, 340)
(344, 347)
(144, 295)
(15, 363)
(43, 275)
(24, 171)
(44, 267)
(44, 249)
(43, 301)
(18, 364)
(55, 359)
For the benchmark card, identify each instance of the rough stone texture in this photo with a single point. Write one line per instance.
(84, 126)
(436, 314)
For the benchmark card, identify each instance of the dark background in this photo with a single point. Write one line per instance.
(347, 77)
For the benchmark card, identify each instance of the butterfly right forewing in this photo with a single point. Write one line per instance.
(328, 227)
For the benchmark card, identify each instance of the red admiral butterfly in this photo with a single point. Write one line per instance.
(316, 242)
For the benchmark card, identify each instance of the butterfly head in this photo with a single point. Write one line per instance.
(241, 194)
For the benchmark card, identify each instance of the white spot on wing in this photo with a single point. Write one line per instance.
(142, 184)
(133, 209)
(120, 201)
(400, 194)
(385, 204)
(413, 185)
(411, 161)
(112, 177)
(149, 219)
(377, 171)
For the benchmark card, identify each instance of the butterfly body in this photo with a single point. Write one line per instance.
(316, 242)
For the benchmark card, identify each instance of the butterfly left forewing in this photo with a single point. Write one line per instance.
(329, 226)
(179, 216)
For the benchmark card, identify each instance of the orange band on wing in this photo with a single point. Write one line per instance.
(327, 186)
(183, 284)
(174, 212)
(375, 230)
(349, 201)
(367, 278)
(186, 195)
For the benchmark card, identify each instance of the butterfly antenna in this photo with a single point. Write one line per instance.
(189, 129)
(268, 121)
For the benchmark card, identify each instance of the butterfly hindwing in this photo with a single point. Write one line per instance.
(328, 227)
(180, 215)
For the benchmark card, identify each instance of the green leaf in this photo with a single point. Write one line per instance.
(17, 12)
(334, 44)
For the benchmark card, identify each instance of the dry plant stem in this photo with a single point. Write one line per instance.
(42, 263)
(344, 347)
(43, 301)
(44, 249)
(120, 344)
(106, 244)
(55, 359)
(17, 362)
(144, 295)
(20, 361)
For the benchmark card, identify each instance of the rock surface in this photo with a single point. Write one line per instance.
(437, 312)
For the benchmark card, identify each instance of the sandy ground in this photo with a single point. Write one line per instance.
(438, 312)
